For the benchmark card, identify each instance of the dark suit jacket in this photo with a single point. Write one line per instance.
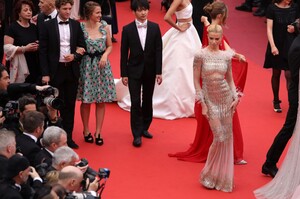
(28, 147)
(3, 165)
(134, 60)
(50, 47)
(43, 157)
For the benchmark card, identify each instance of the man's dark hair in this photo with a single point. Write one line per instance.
(59, 3)
(25, 100)
(2, 68)
(139, 4)
(32, 120)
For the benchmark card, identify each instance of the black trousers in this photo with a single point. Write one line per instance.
(67, 84)
(141, 111)
(287, 130)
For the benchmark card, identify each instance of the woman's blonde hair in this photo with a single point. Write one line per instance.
(215, 29)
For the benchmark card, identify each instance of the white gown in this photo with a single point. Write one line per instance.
(287, 178)
(174, 98)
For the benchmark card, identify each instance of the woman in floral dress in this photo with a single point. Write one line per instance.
(96, 82)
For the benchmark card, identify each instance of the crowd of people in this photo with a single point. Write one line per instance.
(53, 60)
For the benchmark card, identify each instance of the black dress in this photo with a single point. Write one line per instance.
(23, 36)
(282, 17)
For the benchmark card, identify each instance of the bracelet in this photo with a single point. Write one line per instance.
(23, 49)
(199, 96)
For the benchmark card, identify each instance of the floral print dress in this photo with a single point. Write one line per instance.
(95, 84)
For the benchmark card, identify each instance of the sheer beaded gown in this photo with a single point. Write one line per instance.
(218, 96)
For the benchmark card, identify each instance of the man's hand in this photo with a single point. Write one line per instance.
(125, 81)
(159, 79)
(33, 173)
(94, 186)
(69, 57)
(45, 79)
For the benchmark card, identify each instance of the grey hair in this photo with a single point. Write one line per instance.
(6, 138)
(52, 135)
(63, 154)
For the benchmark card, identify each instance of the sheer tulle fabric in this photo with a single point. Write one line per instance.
(198, 150)
(174, 98)
(287, 179)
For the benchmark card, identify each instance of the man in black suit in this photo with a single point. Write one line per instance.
(141, 66)
(17, 173)
(33, 125)
(59, 40)
(282, 138)
(48, 11)
(53, 138)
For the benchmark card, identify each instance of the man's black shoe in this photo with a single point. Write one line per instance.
(267, 170)
(146, 134)
(260, 12)
(137, 142)
(72, 144)
(244, 7)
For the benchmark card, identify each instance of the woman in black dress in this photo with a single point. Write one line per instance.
(23, 34)
(280, 14)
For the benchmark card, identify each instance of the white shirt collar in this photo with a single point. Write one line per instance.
(31, 136)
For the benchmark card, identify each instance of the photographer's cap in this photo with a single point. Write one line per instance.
(15, 165)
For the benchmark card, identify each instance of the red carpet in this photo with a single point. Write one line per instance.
(148, 172)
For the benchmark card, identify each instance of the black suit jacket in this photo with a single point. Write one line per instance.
(43, 157)
(3, 165)
(50, 47)
(28, 147)
(134, 60)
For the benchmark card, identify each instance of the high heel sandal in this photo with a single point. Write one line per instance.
(276, 106)
(88, 138)
(98, 139)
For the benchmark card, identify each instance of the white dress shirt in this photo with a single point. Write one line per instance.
(64, 37)
(142, 30)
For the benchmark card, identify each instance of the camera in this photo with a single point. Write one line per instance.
(49, 97)
(91, 174)
(82, 195)
(11, 110)
(42, 169)
(104, 173)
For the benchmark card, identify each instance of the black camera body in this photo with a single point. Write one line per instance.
(91, 174)
(11, 110)
(48, 97)
(82, 195)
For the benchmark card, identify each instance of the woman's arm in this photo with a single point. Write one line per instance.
(21, 49)
(168, 16)
(274, 49)
(199, 97)
(229, 79)
(104, 58)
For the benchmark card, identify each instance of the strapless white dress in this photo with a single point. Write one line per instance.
(174, 98)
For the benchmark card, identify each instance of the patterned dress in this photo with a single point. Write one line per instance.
(95, 84)
(218, 170)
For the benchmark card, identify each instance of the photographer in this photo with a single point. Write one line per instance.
(71, 179)
(10, 93)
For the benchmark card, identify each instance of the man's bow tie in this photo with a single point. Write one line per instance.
(64, 22)
(142, 25)
(47, 17)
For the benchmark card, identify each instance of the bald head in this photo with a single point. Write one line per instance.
(47, 6)
(70, 177)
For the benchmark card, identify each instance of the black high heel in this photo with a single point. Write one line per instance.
(98, 139)
(89, 138)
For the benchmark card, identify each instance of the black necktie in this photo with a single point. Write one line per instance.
(64, 22)
(47, 17)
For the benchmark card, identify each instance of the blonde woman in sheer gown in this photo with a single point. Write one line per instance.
(218, 98)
